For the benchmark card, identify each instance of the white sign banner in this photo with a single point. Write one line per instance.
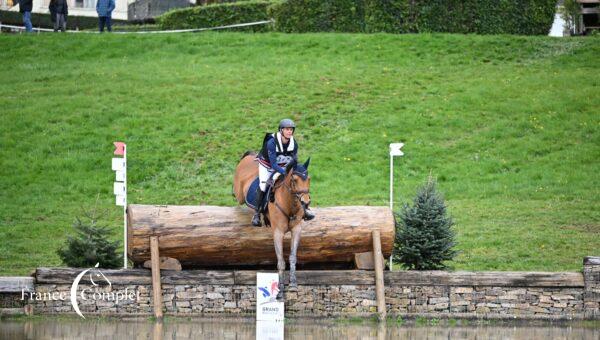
(119, 188)
(267, 306)
(118, 164)
(395, 149)
(120, 200)
(120, 176)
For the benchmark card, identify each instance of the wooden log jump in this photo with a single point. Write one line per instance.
(223, 236)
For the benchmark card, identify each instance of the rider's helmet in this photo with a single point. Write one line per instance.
(287, 123)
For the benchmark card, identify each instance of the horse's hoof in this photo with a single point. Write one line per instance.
(279, 297)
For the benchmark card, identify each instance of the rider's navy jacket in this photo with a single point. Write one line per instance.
(278, 159)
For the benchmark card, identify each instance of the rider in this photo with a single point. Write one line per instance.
(280, 149)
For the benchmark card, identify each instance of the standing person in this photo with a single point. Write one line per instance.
(104, 9)
(25, 7)
(59, 11)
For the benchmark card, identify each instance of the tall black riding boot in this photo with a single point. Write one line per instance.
(259, 203)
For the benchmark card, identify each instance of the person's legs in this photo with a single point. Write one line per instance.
(101, 22)
(63, 23)
(109, 23)
(60, 23)
(27, 21)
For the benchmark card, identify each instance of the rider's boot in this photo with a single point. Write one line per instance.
(259, 203)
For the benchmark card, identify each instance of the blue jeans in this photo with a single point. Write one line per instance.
(27, 21)
(105, 21)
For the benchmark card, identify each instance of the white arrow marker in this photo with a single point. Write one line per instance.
(120, 200)
(120, 176)
(118, 164)
(395, 149)
(119, 188)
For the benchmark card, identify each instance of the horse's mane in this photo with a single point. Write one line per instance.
(249, 152)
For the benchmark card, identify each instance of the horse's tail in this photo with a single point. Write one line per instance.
(249, 152)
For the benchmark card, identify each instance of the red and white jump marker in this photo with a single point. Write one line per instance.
(119, 165)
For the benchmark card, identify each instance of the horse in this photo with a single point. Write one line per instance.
(284, 212)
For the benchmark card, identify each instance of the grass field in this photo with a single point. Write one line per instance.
(509, 125)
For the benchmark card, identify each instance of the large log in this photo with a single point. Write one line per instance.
(223, 236)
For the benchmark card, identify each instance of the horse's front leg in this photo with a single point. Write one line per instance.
(278, 240)
(296, 231)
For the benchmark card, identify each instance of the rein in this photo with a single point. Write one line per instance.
(296, 196)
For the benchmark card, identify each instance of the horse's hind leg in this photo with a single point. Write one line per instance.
(296, 231)
(278, 239)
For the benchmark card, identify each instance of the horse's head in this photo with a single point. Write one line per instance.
(297, 176)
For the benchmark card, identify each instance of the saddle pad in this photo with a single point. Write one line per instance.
(251, 194)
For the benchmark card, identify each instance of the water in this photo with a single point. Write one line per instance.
(246, 328)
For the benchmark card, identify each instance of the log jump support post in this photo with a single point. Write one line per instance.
(379, 285)
(156, 287)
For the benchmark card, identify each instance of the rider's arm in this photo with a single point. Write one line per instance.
(273, 156)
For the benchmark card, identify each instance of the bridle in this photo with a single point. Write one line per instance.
(296, 196)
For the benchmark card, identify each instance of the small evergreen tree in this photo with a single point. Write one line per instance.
(424, 235)
(90, 245)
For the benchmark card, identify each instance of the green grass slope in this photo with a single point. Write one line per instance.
(509, 126)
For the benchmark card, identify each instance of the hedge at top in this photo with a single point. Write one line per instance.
(319, 16)
(218, 15)
(529, 17)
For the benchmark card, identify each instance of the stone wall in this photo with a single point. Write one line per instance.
(591, 274)
(332, 293)
(328, 300)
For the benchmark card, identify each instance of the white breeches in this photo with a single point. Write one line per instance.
(263, 175)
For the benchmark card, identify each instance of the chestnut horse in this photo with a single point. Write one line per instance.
(285, 212)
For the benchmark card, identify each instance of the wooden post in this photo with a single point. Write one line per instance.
(156, 288)
(379, 288)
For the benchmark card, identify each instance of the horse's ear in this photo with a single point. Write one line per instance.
(307, 163)
(291, 165)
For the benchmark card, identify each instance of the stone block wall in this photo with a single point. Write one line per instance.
(329, 300)
(331, 293)
(591, 274)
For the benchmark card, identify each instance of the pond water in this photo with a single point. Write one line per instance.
(246, 328)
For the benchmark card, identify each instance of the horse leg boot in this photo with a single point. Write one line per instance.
(259, 202)
(278, 239)
(296, 231)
